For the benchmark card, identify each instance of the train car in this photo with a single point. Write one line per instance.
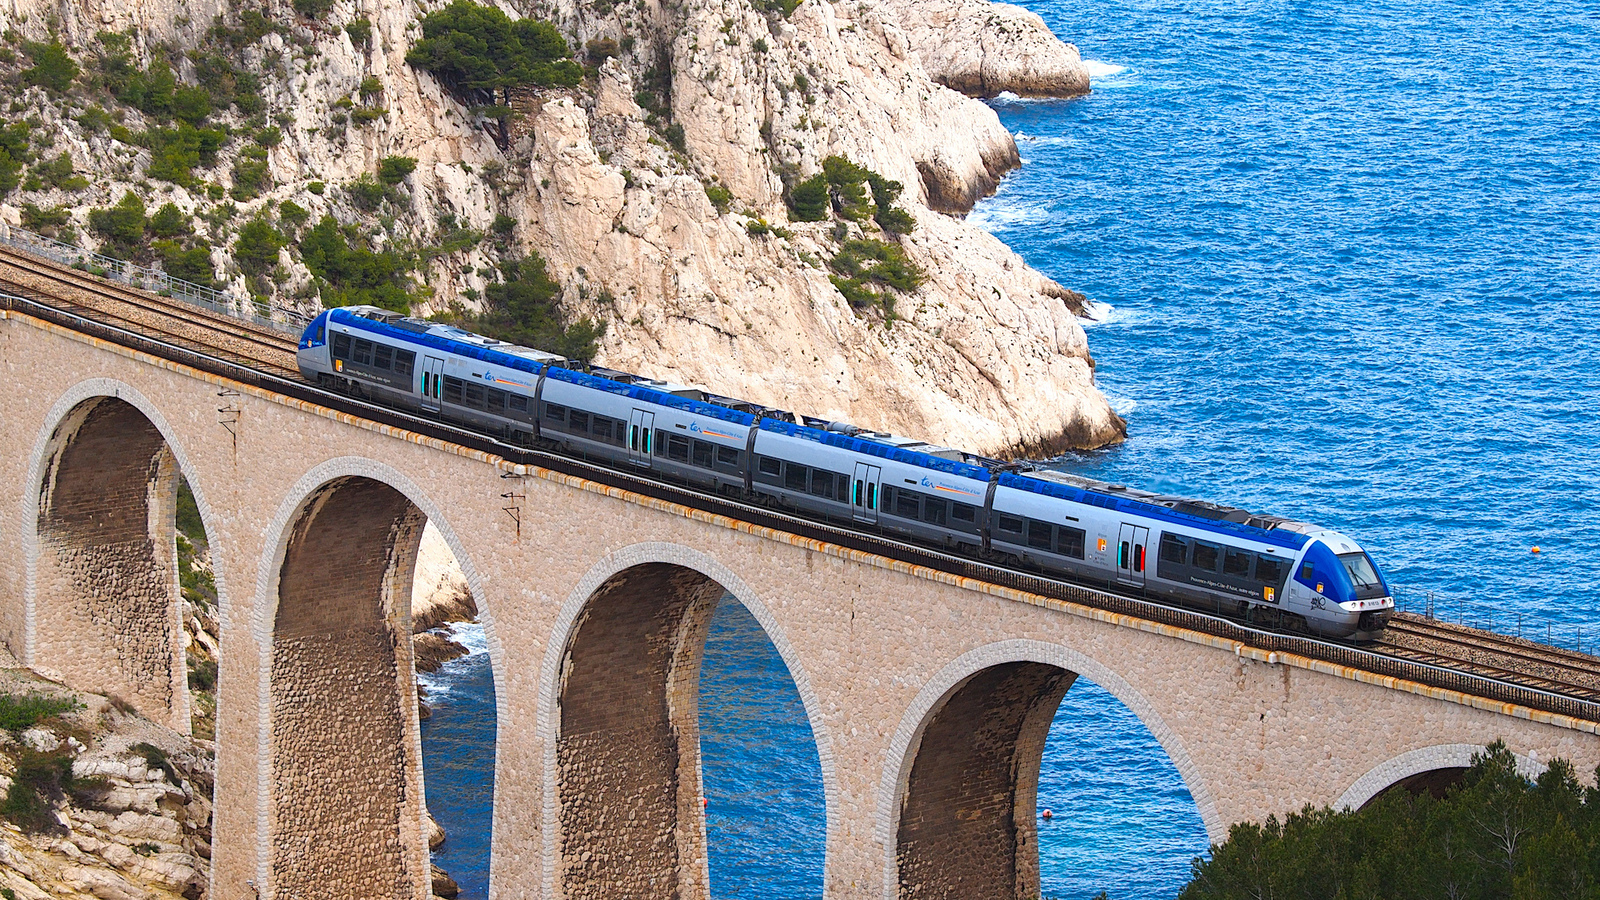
(1264, 569)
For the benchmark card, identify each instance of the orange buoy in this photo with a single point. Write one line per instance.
(1535, 550)
(1047, 814)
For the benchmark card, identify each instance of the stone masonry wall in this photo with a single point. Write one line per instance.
(342, 780)
(108, 582)
(629, 752)
(967, 829)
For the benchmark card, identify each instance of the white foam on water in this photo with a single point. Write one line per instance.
(470, 635)
(1102, 313)
(998, 214)
(1098, 69)
(1122, 406)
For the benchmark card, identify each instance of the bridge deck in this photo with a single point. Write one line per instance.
(1436, 655)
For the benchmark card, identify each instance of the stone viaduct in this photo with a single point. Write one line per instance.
(929, 695)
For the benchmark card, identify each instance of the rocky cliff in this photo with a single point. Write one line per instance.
(985, 49)
(655, 189)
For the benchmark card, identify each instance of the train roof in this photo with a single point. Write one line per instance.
(873, 446)
(1177, 510)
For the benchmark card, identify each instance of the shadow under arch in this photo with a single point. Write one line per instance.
(102, 489)
(1431, 769)
(627, 861)
(985, 717)
(342, 805)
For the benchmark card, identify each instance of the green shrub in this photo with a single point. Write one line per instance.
(189, 264)
(351, 272)
(719, 195)
(156, 758)
(479, 48)
(394, 169)
(523, 309)
(256, 248)
(363, 116)
(808, 200)
(316, 187)
(38, 782)
(783, 7)
(188, 514)
(52, 68)
(866, 268)
(503, 224)
(371, 86)
(59, 173)
(176, 152)
(360, 31)
(313, 9)
(170, 222)
(675, 136)
(250, 175)
(601, 49)
(366, 193)
(121, 226)
(271, 136)
(203, 675)
(44, 221)
(19, 712)
(292, 215)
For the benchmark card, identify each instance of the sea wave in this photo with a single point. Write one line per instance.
(1098, 69)
(1102, 313)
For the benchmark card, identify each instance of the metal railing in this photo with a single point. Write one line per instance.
(250, 309)
(1457, 610)
(1368, 660)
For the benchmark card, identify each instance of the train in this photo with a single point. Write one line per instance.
(1262, 569)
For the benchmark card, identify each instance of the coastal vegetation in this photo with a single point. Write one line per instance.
(1495, 835)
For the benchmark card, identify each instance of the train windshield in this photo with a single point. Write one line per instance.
(1364, 575)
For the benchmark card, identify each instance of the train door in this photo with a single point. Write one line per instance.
(1131, 545)
(641, 431)
(864, 492)
(432, 382)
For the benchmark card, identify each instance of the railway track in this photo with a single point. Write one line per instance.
(1414, 648)
(163, 318)
(1525, 662)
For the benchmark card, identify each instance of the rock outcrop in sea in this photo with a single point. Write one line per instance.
(986, 49)
(655, 190)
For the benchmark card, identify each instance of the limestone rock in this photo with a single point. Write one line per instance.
(983, 49)
(439, 591)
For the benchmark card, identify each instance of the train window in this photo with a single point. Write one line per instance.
(602, 428)
(555, 412)
(843, 492)
(382, 356)
(795, 476)
(1237, 563)
(1039, 535)
(1307, 571)
(1069, 541)
(821, 483)
(403, 360)
(495, 400)
(934, 510)
(907, 504)
(363, 352)
(1269, 570)
(452, 390)
(963, 512)
(770, 466)
(677, 447)
(473, 396)
(728, 456)
(1174, 549)
(704, 453)
(517, 403)
(577, 421)
(872, 495)
(1010, 524)
(1206, 556)
(341, 346)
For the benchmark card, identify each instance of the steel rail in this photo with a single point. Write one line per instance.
(1364, 659)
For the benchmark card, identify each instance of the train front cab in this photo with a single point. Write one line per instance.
(312, 354)
(1340, 589)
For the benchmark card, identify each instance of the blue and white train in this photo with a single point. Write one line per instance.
(1263, 569)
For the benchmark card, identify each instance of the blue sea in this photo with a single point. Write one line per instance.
(1345, 265)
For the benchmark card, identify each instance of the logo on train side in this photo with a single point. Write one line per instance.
(694, 427)
(926, 481)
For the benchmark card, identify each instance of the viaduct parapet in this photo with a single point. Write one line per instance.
(929, 695)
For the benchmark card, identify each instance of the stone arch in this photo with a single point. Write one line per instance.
(676, 859)
(1425, 768)
(341, 807)
(989, 712)
(102, 483)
